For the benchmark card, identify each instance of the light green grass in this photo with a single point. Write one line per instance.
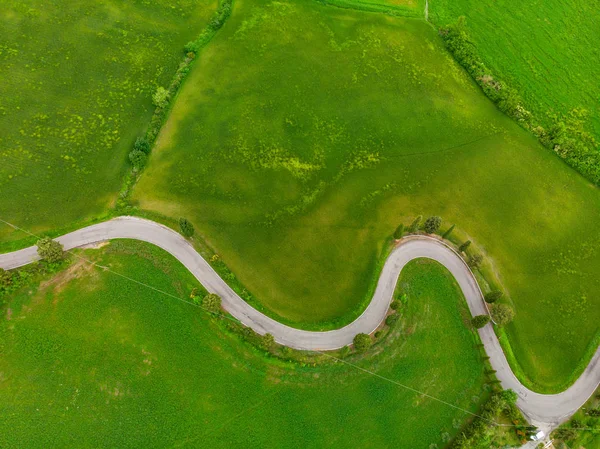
(91, 359)
(547, 50)
(343, 124)
(77, 80)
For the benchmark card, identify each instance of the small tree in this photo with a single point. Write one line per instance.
(187, 228)
(362, 342)
(141, 144)
(502, 314)
(5, 279)
(138, 159)
(160, 98)
(448, 232)
(267, 341)
(493, 296)
(415, 225)
(479, 321)
(475, 261)
(399, 232)
(462, 248)
(395, 304)
(211, 302)
(432, 224)
(50, 250)
(392, 319)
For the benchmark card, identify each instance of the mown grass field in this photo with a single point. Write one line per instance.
(547, 50)
(91, 359)
(343, 124)
(77, 80)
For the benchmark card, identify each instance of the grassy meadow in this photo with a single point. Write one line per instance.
(546, 50)
(343, 124)
(77, 80)
(91, 359)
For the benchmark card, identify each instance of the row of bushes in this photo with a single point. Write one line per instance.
(566, 136)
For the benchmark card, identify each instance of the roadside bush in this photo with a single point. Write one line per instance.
(415, 225)
(432, 224)
(5, 279)
(212, 303)
(362, 342)
(462, 248)
(160, 98)
(475, 261)
(392, 319)
(268, 341)
(141, 144)
(50, 250)
(138, 159)
(448, 232)
(480, 321)
(399, 232)
(493, 296)
(187, 228)
(395, 304)
(502, 314)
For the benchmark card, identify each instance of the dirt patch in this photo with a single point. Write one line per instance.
(96, 245)
(8, 314)
(58, 283)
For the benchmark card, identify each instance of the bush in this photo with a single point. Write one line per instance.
(50, 250)
(415, 225)
(475, 261)
(211, 303)
(187, 228)
(479, 321)
(448, 232)
(392, 319)
(399, 232)
(502, 314)
(267, 341)
(5, 279)
(141, 144)
(432, 224)
(493, 296)
(362, 342)
(462, 248)
(138, 159)
(395, 304)
(160, 98)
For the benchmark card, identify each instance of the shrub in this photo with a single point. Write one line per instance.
(395, 304)
(502, 314)
(479, 321)
(432, 224)
(475, 261)
(415, 225)
(160, 98)
(138, 159)
(493, 296)
(399, 232)
(565, 434)
(392, 319)
(267, 341)
(362, 342)
(5, 279)
(187, 228)
(448, 232)
(50, 250)
(462, 248)
(141, 144)
(212, 303)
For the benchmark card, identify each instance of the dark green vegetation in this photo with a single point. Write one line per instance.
(582, 430)
(77, 80)
(91, 359)
(344, 124)
(541, 55)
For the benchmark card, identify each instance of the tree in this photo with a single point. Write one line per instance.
(362, 342)
(160, 98)
(432, 224)
(211, 302)
(462, 248)
(475, 261)
(267, 341)
(502, 314)
(448, 232)
(5, 279)
(141, 144)
(565, 434)
(395, 304)
(493, 296)
(138, 159)
(479, 321)
(50, 250)
(187, 228)
(416, 224)
(399, 232)
(392, 319)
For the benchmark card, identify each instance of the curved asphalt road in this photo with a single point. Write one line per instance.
(545, 411)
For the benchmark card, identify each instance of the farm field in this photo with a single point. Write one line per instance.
(92, 359)
(75, 94)
(547, 50)
(344, 124)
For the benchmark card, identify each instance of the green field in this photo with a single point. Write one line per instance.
(343, 124)
(76, 88)
(91, 359)
(547, 50)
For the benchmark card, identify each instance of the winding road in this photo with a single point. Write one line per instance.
(544, 411)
